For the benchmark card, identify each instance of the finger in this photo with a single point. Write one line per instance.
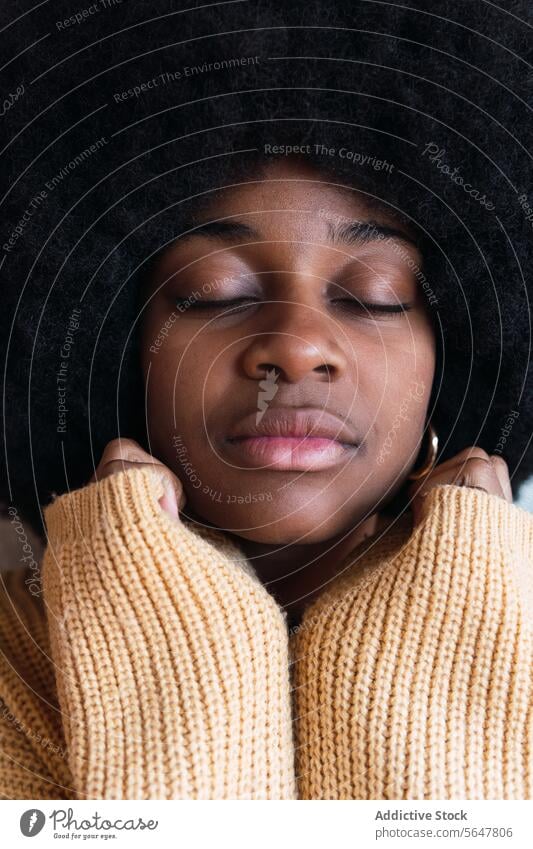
(125, 449)
(169, 501)
(480, 473)
(119, 450)
(474, 472)
(173, 499)
(502, 470)
(115, 467)
(472, 451)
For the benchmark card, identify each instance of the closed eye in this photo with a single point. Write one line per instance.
(363, 307)
(232, 305)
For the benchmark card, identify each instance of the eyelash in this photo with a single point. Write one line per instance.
(350, 303)
(386, 309)
(220, 304)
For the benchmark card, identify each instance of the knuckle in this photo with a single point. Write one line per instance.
(478, 469)
(112, 449)
(112, 467)
(498, 460)
(126, 449)
(473, 452)
(129, 446)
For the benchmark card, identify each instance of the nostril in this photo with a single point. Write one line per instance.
(268, 367)
(323, 369)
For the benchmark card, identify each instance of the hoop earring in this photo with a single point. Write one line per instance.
(431, 455)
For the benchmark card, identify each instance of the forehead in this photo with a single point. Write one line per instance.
(292, 210)
(291, 196)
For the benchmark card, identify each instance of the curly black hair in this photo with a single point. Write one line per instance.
(122, 119)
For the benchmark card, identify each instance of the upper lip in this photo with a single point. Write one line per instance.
(295, 422)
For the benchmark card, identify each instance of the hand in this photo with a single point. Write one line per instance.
(472, 467)
(123, 454)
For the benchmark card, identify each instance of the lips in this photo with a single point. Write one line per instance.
(292, 439)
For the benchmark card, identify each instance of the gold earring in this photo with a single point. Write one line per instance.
(431, 455)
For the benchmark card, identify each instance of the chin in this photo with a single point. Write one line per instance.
(281, 535)
(275, 524)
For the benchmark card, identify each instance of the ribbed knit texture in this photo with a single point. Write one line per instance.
(171, 657)
(156, 665)
(414, 675)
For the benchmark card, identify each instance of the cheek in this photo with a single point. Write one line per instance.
(395, 376)
(184, 383)
(405, 392)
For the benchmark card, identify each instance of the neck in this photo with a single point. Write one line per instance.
(293, 573)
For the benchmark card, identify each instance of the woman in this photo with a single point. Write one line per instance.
(295, 572)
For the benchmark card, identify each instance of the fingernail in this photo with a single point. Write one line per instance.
(168, 501)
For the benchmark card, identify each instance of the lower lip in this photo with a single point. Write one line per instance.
(290, 453)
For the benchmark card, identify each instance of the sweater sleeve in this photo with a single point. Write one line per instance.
(171, 658)
(33, 762)
(414, 670)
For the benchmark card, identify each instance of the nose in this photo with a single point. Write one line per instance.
(300, 342)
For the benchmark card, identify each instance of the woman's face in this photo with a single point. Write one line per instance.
(288, 355)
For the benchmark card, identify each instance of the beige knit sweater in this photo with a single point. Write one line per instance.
(154, 664)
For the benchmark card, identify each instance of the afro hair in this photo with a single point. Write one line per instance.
(121, 119)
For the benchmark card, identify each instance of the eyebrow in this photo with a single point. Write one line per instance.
(363, 232)
(345, 232)
(225, 231)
